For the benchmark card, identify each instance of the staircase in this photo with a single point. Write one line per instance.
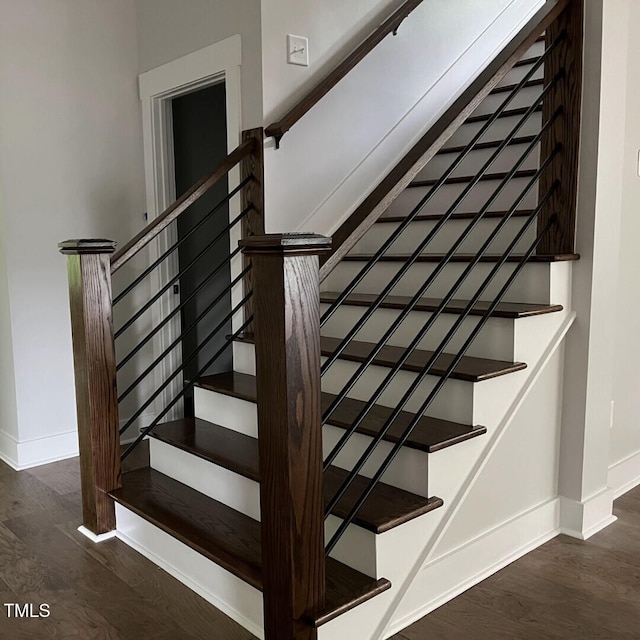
(456, 251)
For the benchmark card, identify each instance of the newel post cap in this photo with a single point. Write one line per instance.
(87, 245)
(286, 243)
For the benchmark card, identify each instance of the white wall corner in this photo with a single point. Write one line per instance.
(584, 519)
(625, 474)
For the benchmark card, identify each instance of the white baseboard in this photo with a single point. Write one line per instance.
(231, 595)
(451, 574)
(584, 519)
(25, 454)
(625, 475)
(97, 538)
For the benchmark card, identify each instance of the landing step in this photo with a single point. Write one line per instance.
(428, 217)
(230, 538)
(461, 257)
(387, 507)
(469, 369)
(509, 113)
(529, 173)
(491, 144)
(507, 88)
(511, 310)
(430, 434)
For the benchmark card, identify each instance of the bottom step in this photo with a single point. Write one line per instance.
(230, 538)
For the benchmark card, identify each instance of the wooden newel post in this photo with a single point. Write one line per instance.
(566, 60)
(94, 360)
(287, 339)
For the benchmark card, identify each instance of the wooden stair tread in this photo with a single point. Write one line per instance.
(427, 217)
(528, 173)
(507, 88)
(462, 257)
(511, 310)
(469, 369)
(386, 508)
(430, 434)
(228, 537)
(491, 144)
(527, 61)
(507, 113)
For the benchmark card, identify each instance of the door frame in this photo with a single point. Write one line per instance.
(219, 62)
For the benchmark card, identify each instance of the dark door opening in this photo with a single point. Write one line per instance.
(200, 143)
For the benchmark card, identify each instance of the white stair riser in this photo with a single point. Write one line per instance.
(356, 548)
(518, 73)
(231, 595)
(475, 160)
(494, 341)
(408, 471)
(453, 402)
(443, 199)
(524, 98)
(498, 130)
(450, 232)
(531, 284)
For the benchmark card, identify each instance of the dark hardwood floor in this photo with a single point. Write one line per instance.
(565, 589)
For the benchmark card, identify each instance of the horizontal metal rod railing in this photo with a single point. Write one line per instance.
(180, 273)
(440, 267)
(188, 385)
(173, 211)
(454, 363)
(434, 316)
(427, 240)
(183, 333)
(185, 362)
(447, 174)
(182, 239)
(158, 327)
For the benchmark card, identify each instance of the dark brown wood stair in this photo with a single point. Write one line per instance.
(491, 144)
(230, 538)
(469, 369)
(508, 88)
(528, 173)
(430, 434)
(428, 217)
(462, 257)
(508, 113)
(511, 310)
(386, 508)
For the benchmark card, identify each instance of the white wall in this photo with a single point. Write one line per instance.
(170, 29)
(70, 166)
(346, 143)
(8, 408)
(625, 435)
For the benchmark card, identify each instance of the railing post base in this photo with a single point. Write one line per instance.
(89, 272)
(287, 340)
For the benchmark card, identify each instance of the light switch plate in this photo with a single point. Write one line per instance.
(298, 50)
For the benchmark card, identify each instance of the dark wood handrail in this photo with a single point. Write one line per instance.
(155, 227)
(376, 203)
(390, 25)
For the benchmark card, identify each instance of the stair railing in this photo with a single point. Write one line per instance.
(310, 99)
(559, 25)
(101, 385)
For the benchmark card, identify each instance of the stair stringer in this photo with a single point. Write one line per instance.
(418, 556)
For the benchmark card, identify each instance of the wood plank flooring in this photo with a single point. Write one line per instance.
(565, 589)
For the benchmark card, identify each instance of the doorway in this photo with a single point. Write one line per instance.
(199, 140)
